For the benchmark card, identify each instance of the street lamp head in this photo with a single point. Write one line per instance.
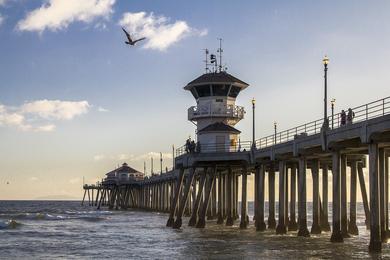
(275, 124)
(325, 60)
(253, 101)
(333, 101)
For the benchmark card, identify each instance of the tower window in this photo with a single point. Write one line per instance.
(193, 91)
(220, 90)
(203, 91)
(234, 91)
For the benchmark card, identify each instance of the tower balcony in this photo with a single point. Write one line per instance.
(230, 112)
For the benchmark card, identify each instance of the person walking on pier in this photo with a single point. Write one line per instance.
(350, 116)
(188, 145)
(343, 117)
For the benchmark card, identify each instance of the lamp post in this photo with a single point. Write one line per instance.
(253, 123)
(275, 129)
(173, 157)
(151, 166)
(325, 61)
(161, 163)
(332, 102)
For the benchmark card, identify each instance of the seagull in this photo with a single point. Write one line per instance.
(130, 41)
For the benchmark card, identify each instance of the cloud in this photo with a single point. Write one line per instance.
(37, 116)
(102, 109)
(56, 15)
(75, 180)
(34, 179)
(132, 157)
(160, 33)
(98, 157)
(1, 19)
(56, 109)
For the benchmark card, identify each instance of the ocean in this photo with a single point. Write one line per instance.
(65, 229)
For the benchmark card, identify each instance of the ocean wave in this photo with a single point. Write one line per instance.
(10, 224)
(41, 216)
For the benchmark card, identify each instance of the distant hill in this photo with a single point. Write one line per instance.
(57, 197)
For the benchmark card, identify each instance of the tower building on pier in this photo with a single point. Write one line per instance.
(216, 112)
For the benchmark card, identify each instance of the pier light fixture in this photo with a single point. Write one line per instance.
(275, 130)
(332, 102)
(253, 124)
(325, 61)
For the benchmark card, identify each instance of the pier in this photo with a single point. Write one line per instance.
(204, 183)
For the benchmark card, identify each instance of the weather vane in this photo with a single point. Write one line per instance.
(214, 60)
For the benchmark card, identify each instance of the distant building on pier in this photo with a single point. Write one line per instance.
(124, 173)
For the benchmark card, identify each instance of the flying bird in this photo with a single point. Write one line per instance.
(130, 41)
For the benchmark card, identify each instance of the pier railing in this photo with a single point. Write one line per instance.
(365, 112)
(231, 111)
(361, 113)
(215, 148)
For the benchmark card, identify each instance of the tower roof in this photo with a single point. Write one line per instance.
(218, 77)
(125, 168)
(220, 127)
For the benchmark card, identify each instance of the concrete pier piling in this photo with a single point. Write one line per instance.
(271, 196)
(281, 227)
(336, 212)
(292, 224)
(343, 196)
(235, 209)
(183, 203)
(202, 214)
(220, 206)
(352, 227)
(175, 199)
(229, 218)
(375, 231)
(382, 206)
(364, 194)
(316, 228)
(260, 224)
(194, 216)
(244, 214)
(302, 217)
(324, 219)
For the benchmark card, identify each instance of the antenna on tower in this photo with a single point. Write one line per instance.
(206, 61)
(220, 50)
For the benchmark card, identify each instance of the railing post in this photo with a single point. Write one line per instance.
(366, 111)
(383, 105)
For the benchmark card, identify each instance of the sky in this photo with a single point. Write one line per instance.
(76, 101)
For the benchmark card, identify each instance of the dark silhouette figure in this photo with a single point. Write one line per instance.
(350, 116)
(343, 118)
(192, 146)
(188, 144)
(130, 41)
